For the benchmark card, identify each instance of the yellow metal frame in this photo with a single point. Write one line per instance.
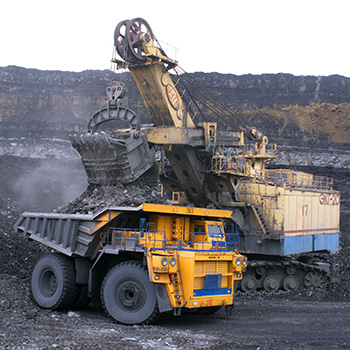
(191, 211)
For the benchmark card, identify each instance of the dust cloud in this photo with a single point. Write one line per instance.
(49, 183)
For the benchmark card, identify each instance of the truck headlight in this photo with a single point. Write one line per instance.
(165, 261)
(244, 262)
(172, 261)
(238, 261)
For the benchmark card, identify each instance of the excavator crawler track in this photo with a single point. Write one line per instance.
(286, 275)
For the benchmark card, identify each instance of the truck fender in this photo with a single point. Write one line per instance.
(162, 298)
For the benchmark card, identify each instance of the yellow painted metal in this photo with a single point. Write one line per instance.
(175, 136)
(192, 267)
(191, 211)
(152, 51)
(104, 218)
(200, 264)
(160, 95)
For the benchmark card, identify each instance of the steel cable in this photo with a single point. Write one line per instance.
(200, 95)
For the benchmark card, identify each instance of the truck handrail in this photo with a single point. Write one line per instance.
(137, 239)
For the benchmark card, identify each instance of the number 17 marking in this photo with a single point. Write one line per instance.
(304, 209)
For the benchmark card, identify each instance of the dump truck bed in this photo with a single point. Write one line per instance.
(78, 234)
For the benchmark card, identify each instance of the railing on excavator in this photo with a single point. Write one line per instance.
(298, 179)
(137, 239)
(247, 150)
(242, 167)
(238, 161)
(251, 150)
(230, 164)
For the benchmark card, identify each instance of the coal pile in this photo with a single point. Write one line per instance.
(97, 197)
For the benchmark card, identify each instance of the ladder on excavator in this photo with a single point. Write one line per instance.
(260, 219)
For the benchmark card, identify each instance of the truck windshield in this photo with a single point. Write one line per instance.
(215, 231)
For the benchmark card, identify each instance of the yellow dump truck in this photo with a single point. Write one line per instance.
(137, 261)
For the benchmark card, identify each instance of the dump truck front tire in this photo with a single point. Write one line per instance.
(53, 282)
(128, 296)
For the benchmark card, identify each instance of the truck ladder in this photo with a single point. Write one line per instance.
(178, 288)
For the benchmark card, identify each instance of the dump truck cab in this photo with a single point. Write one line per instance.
(211, 233)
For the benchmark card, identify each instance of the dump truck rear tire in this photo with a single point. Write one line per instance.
(83, 300)
(128, 296)
(53, 282)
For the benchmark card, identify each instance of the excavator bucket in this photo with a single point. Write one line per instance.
(115, 157)
(110, 159)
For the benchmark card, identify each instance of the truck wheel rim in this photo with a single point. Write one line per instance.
(130, 296)
(48, 283)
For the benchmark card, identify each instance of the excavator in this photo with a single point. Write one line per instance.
(288, 220)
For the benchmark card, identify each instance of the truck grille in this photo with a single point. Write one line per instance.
(204, 268)
(208, 267)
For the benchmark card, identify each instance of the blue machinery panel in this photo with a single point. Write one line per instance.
(288, 245)
(203, 292)
(212, 285)
(308, 243)
(212, 282)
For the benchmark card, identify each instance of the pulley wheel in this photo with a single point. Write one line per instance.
(120, 41)
(290, 269)
(134, 29)
(260, 270)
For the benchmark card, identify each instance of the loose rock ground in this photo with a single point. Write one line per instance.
(303, 320)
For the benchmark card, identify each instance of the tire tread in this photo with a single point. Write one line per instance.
(70, 288)
(155, 314)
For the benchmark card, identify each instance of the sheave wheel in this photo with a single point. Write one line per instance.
(53, 282)
(120, 42)
(134, 29)
(127, 294)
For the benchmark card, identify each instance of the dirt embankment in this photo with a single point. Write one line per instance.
(316, 124)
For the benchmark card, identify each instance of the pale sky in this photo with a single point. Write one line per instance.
(301, 37)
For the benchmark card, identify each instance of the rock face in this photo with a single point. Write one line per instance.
(56, 97)
(72, 97)
(276, 90)
(290, 110)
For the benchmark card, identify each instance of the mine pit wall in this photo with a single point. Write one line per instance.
(286, 221)
(26, 147)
